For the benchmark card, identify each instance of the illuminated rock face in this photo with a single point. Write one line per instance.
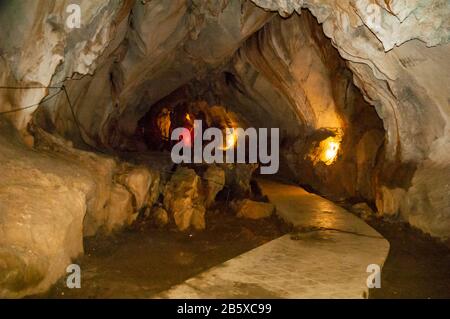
(293, 73)
(400, 75)
(399, 60)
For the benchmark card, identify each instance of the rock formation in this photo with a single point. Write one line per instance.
(254, 210)
(52, 196)
(183, 199)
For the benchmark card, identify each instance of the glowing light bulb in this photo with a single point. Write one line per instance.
(330, 148)
(331, 151)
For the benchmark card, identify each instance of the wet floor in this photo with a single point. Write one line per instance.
(143, 261)
(417, 266)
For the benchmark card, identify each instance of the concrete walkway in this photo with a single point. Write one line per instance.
(327, 257)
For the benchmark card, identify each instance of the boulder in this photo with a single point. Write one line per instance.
(213, 182)
(363, 210)
(255, 210)
(388, 201)
(238, 177)
(120, 209)
(183, 200)
(160, 216)
(155, 188)
(140, 182)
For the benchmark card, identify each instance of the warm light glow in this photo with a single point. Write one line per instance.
(331, 152)
(188, 117)
(230, 139)
(186, 138)
(329, 148)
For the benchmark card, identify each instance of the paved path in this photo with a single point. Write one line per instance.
(326, 258)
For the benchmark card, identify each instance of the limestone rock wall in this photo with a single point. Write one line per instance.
(162, 46)
(301, 84)
(43, 201)
(398, 53)
(38, 48)
(54, 195)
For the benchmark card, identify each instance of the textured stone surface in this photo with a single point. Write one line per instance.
(284, 8)
(100, 175)
(42, 49)
(309, 264)
(139, 181)
(363, 210)
(183, 200)
(255, 210)
(42, 207)
(121, 211)
(160, 216)
(238, 177)
(213, 182)
(50, 197)
(389, 200)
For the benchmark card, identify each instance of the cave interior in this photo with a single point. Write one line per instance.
(87, 117)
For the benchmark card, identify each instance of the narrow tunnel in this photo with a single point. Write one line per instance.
(163, 140)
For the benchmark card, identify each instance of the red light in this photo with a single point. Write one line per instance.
(186, 138)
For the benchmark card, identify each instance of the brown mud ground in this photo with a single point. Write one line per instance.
(144, 260)
(418, 266)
